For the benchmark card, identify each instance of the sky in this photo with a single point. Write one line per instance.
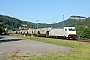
(45, 11)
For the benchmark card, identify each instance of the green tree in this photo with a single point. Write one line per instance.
(86, 33)
(1, 30)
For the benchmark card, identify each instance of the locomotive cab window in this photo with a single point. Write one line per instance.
(72, 29)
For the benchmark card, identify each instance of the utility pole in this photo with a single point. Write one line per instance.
(54, 24)
(37, 24)
(63, 21)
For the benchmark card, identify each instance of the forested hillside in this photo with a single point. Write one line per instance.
(83, 28)
(14, 23)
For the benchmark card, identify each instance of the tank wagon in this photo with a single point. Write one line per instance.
(35, 32)
(44, 32)
(11, 32)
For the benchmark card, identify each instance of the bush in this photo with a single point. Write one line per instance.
(1, 30)
(86, 33)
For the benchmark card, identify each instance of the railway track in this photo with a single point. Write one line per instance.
(78, 40)
(88, 41)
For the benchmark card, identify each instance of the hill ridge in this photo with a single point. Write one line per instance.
(14, 23)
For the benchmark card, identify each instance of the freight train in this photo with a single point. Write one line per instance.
(65, 32)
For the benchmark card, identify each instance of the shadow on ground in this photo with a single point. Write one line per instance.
(9, 40)
(1, 37)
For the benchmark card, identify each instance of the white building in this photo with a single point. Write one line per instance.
(77, 17)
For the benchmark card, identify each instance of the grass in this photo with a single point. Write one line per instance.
(72, 44)
(81, 51)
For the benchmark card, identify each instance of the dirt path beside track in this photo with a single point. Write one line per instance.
(24, 47)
